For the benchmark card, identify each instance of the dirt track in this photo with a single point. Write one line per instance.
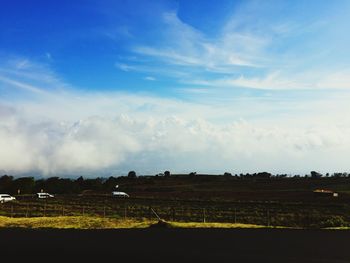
(176, 245)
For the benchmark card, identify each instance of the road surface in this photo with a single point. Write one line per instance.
(176, 245)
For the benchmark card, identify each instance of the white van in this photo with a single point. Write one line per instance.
(6, 198)
(120, 194)
(44, 195)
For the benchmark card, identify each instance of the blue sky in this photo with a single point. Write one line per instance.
(263, 77)
(163, 46)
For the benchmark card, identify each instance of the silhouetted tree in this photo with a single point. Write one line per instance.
(110, 183)
(315, 174)
(23, 185)
(52, 185)
(167, 173)
(80, 182)
(6, 183)
(132, 174)
(263, 175)
(93, 184)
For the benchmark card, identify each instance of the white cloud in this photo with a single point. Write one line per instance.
(100, 145)
(20, 85)
(186, 46)
(61, 131)
(150, 78)
(102, 134)
(28, 75)
(124, 67)
(255, 47)
(278, 81)
(337, 80)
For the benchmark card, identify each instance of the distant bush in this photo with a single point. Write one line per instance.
(315, 174)
(334, 221)
(132, 174)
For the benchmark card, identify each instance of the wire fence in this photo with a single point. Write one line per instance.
(269, 214)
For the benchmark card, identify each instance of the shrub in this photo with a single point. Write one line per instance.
(334, 221)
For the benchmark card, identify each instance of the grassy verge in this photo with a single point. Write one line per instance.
(77, 222)
(87, 222)
(338, 228)
(213, 225)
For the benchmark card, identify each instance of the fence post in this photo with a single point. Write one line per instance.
(104, 211)
(173, 214)
(83, 210)
(155, 213)
(268, 217)
(62, 210)
(11, 210)
(125, 212)
(203, 215)
(27, 208)
(149, 213)
(235, 216)
(45, 209)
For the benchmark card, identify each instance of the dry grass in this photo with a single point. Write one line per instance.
(338, 228)
(88, 222)
(77, 222)
(213, 225)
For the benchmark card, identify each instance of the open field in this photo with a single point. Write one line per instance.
(287, 202)
(76, 222)
(185, 187)
(87, 222)
(211, 187)
(288, 214)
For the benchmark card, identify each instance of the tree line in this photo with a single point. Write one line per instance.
(30, 185)
(57, 185)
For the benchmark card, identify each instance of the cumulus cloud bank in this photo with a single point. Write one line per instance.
(149, 135)
(60, 130)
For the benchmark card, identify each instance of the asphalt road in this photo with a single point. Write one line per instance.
(175, 245)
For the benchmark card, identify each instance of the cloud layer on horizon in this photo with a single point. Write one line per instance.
(109, 134)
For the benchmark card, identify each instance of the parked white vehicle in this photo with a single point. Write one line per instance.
(44, 195)
(120, 194)
(6, 198)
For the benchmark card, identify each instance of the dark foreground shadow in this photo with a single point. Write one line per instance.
(175, 245)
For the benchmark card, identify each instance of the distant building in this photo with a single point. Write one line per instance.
(323, 192)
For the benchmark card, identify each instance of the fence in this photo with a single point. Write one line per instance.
(270, 214)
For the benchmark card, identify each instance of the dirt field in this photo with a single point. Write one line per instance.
(288, 202)
(291, 214)
(176, 245)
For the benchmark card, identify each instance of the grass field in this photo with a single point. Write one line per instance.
(87, 222)
(320, 214)
(213, 225)
(77, 222)
(288, 202)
